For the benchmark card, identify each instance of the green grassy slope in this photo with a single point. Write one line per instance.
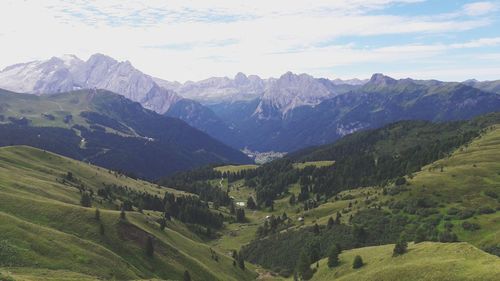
(44, 228)
(462, 181)
(110, 131)
(424, 261)
(467, 176)
(235, 168)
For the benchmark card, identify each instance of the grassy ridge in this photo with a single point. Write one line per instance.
(44, 228)
(235, 168)
(317, 164)
(424, 261)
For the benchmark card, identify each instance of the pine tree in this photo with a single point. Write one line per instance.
(358, 262)
(331, 222)
(241, 262)
(292, 199)
(420, 234)
(240, 215)
(337, 219)
(101, 229)
(162, 224)
(316, 229)
(400, 247)
(232, 209)
(149, 247)
(85, 200)
(251, 203)
(187, 277)
(304, 266)
(333, 257)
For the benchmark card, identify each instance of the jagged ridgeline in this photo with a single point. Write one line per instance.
(109, 130)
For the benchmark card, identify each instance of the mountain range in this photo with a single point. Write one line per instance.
(109, 130)
(275, 114)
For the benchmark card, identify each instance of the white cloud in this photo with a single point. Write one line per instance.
(479, 8)
(196, 39)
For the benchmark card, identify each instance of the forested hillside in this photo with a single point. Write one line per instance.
(407, 180)
(108, 130)
(67, 219)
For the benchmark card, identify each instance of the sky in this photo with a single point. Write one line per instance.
(450, 40)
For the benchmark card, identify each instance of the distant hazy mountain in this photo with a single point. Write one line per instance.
(489, 86)
(280, 114)
(108, 130)
(278, 95)
(380, 101)
(289, 92)
(219, 89)
(99, 71)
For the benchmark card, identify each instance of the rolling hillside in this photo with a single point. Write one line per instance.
(46, 231)
(429, 181)
(108, 130)
(424, 261)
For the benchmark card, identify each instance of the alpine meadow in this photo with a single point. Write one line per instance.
(235, 141)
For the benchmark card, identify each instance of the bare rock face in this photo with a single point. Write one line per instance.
(99, 71)
(221, 89)
(289, 92)
(40, 77)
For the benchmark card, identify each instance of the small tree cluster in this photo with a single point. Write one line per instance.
(333, 256)
(251, 203)
(86, 200)
(214, 255)
(240, 215)
(304, 266)
(400, 248)
(358, 262)
(241, 261)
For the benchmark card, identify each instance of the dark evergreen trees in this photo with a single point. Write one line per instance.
(330, 224)
(86, 200)
(420, 234)
(304, 266)
(149, 247)
(400, 248)
(333, 257)
(358, 262)
(241, 262)
(187, 277)
(316, 229)
(251, 203)
(400, 181)
(240, 215)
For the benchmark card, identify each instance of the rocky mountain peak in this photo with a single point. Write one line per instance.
(66, 73)
(240, 78)
(381, 79)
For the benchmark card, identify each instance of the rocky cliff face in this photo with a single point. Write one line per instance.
(62, 74)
